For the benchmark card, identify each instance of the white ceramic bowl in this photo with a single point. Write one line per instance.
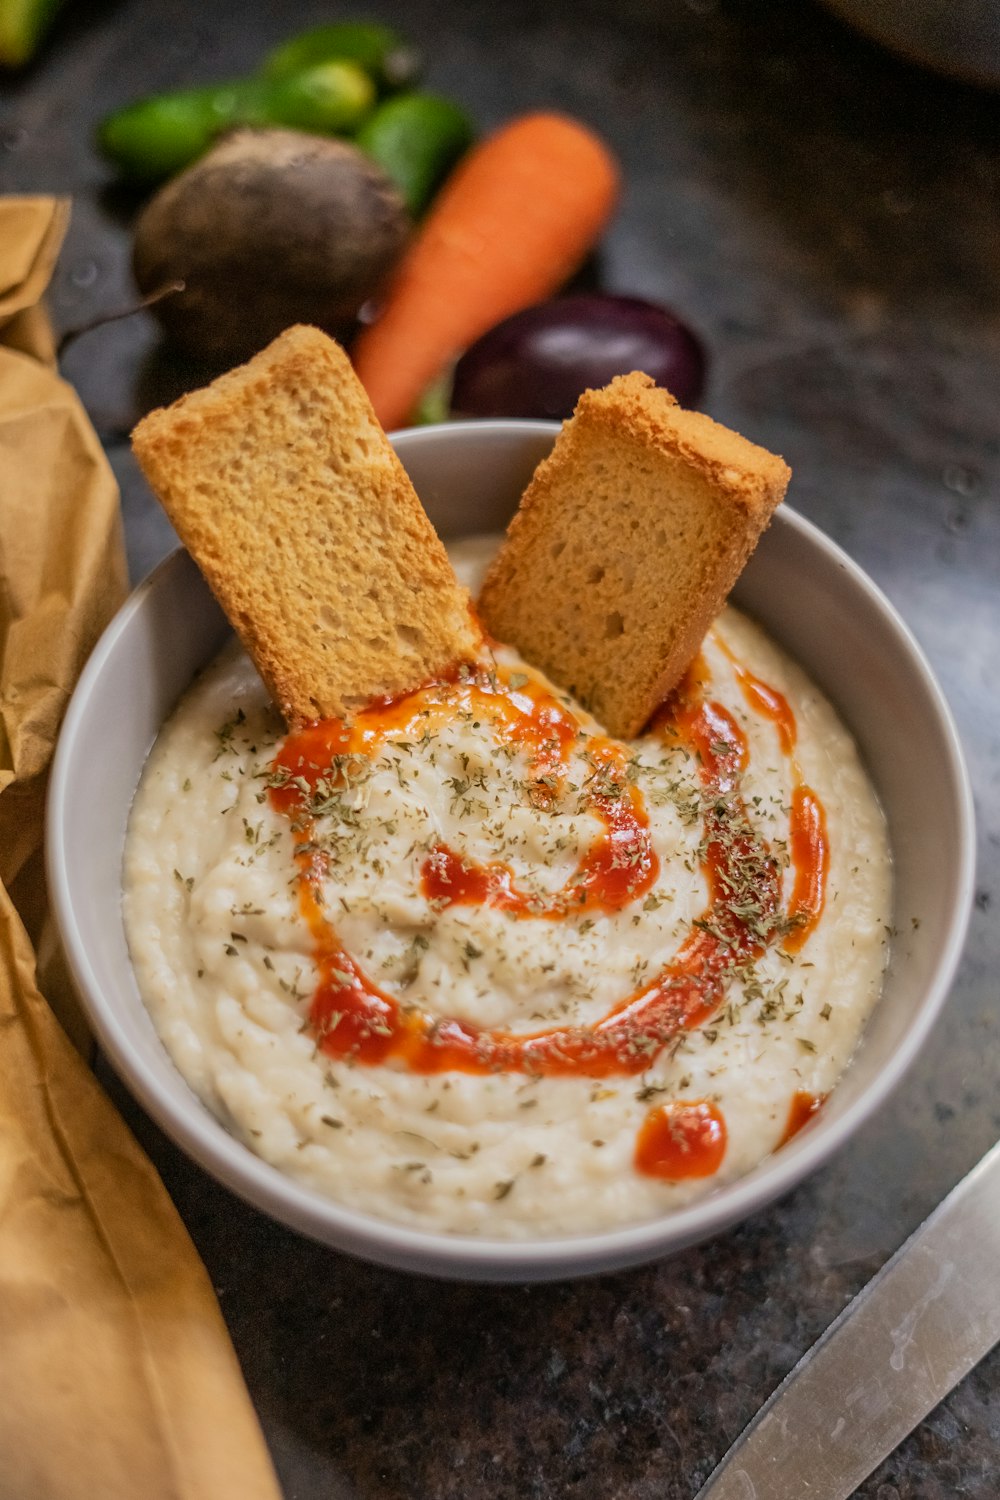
(803, 589)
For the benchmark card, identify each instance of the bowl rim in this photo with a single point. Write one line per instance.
(469, 1257)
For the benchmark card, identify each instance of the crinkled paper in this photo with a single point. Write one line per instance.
(117, 1377)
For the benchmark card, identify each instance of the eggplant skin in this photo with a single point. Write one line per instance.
(538, 362)
(267, 229)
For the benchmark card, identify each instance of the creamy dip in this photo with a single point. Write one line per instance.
(470, 965)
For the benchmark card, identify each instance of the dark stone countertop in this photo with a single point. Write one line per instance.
(828, 218)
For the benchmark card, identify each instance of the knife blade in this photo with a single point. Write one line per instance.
(908, 1337)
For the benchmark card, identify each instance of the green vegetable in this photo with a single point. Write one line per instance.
(416, 138)
(435, 405)
(332, 98)
(383, 54)
(156, 137)
(23, 24)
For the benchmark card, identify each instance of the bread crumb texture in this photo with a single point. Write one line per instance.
(284, 488)
(626, 543)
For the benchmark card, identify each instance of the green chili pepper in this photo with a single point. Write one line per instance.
(416, 138)
(157, 137)
(383, 54)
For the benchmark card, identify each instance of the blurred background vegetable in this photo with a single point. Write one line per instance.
(326, 81)
(156, 137)
(538, 362)
(23, 24)
(385, 56)
(417, 138)
(511, 224)
(268, 228)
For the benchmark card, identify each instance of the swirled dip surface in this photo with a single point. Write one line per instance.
(468, 964)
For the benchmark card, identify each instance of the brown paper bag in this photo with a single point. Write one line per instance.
(117, 1377)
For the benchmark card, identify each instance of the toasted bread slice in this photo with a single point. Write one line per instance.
(627, 541)
(284, 488)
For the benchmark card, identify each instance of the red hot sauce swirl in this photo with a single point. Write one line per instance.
(353, 1018)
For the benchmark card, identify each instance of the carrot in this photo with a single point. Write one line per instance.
(515, 219)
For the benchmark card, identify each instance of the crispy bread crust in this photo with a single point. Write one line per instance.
(284, 488)
(626, 543)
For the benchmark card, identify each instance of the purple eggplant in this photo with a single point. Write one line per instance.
(537, 363)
